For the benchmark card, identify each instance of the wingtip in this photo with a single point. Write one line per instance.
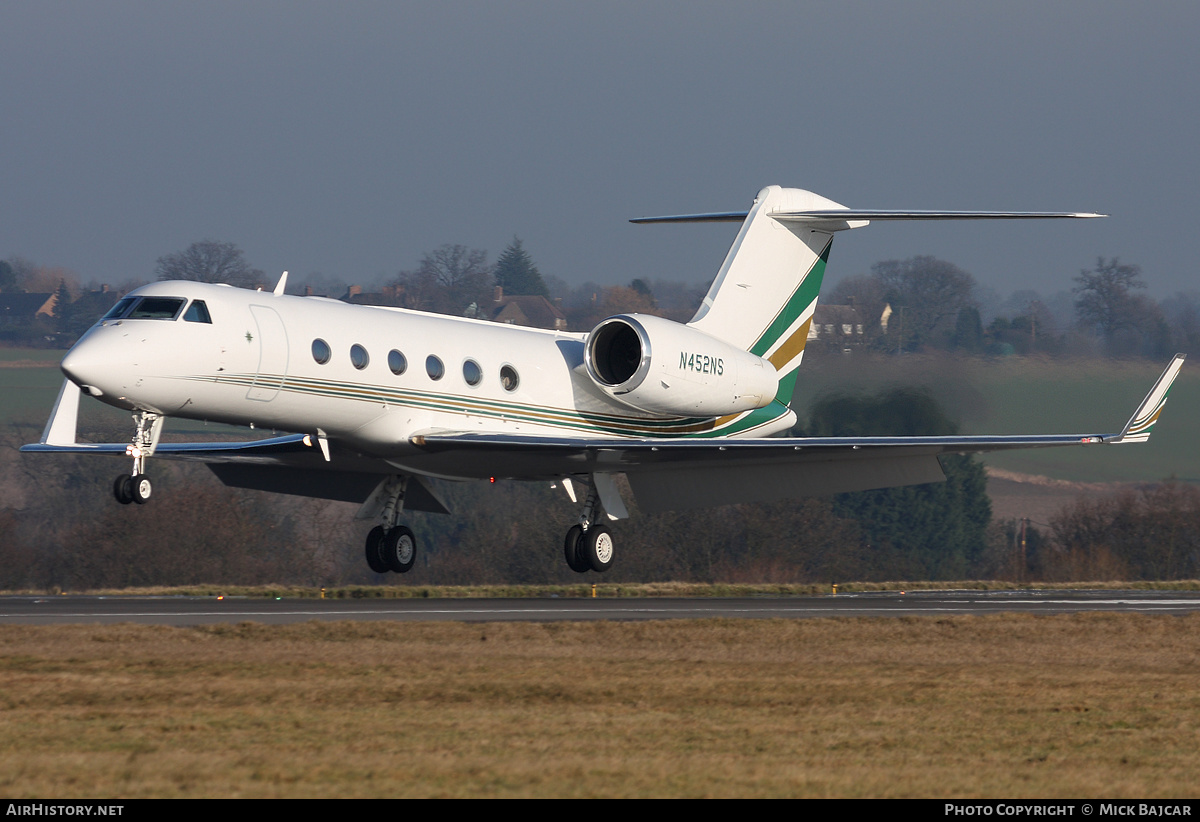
(1141, 424)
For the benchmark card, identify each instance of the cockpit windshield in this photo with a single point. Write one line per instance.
(146, 308)
(156, 308)
(197, 313)
(120, 309)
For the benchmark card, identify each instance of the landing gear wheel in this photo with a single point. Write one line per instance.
(572, 546)
(123, 489)
(596, 548)
(399, 549)
(374, 554)
(140, 488)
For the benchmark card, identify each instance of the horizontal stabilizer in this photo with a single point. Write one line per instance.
(716, 217)
(839, 219)
(895, 214)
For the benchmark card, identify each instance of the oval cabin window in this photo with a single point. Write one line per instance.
(434, 368)
(472, 373)
(397, 362)
(509, 378)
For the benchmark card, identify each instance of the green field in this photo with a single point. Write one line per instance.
(1005, 396)
(26, 390)
(1024, 396)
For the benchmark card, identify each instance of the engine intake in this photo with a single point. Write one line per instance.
(660, 366)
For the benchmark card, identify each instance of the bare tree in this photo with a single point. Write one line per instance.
(930, 291)
(448, 281)
(209, 261)
(1106, 304)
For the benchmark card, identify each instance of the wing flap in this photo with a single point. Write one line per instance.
(523, 456)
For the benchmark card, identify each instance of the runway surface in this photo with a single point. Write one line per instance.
(62, 610)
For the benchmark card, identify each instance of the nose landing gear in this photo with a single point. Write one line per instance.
(136, 486)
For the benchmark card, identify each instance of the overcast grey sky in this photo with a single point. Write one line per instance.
(348, 138)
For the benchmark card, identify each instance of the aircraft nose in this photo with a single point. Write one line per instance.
(84, 365)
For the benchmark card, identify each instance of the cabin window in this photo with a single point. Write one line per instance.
(359, 357)
(509, 378)
(321, 351)
(472, 373)
(118, 311)
(434, 368)
(397, 362)
(197, 313)
(157, 308)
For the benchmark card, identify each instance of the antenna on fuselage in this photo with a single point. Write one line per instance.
(279, 286)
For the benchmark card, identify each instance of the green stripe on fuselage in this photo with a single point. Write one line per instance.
(572, 419)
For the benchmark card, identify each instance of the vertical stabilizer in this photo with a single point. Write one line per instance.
(766, 291)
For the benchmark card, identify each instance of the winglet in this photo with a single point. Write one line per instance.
(60, 428)
(282, 284)
(1142, 422)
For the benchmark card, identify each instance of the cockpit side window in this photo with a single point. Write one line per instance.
(118, 311)
(197, 313)
(156, 308)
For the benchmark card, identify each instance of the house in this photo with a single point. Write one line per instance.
(531, 310)
(20, 309)
(837, 326)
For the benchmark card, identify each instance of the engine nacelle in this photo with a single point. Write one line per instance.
(663, 367)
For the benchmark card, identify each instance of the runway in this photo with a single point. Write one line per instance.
(65, 610)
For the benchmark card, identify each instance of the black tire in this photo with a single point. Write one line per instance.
(374, 555)
(140, 488)
(123, 489)
(571, 548)
(597, 548)
(399, 549)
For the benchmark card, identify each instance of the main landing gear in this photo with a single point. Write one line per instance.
(136, 486)
(391, 546)
(589, 546)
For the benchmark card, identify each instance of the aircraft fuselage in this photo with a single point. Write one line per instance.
(368, 376)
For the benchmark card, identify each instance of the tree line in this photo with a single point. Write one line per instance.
(924, 303)
(919, 304)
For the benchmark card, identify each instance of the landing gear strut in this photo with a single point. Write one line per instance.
(391, 546)
(136, 486)
(589, 546)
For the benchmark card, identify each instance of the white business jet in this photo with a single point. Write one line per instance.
(382, 399)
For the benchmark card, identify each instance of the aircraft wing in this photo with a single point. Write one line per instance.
(695, 473)
(273, 451)
(668, 474)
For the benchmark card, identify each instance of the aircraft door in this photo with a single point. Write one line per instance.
(272, 354)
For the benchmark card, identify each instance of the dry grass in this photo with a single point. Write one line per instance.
(1094, 705)
(633, 590)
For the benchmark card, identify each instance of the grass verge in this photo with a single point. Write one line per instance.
(609, 590)
(1091, 705)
